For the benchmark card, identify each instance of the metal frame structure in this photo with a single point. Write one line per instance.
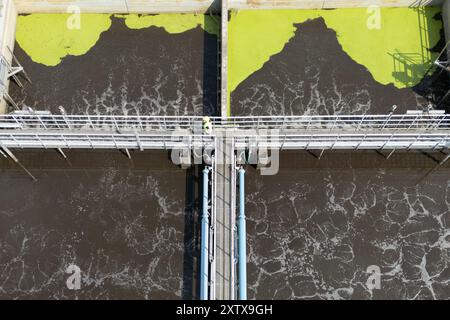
(7, 71)
(45, 130)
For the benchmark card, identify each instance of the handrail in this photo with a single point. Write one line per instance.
(51, 122)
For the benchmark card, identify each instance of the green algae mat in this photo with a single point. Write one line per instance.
(46, 38)
(406, 33)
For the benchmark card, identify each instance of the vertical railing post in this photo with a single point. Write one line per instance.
(334, 123)
(360, 123)
(387, 120)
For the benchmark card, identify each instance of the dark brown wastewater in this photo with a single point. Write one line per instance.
(316, 226)
(132, 225)
(129, 225)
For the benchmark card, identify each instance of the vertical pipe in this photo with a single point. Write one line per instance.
(204, 258)
(242, 239)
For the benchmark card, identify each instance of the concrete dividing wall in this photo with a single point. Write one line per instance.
(325, 4)
(115, 6)
(7, 31)
(159, 6)
(8, 28)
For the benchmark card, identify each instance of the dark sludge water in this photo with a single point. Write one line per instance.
(316, 227)
(129, 225)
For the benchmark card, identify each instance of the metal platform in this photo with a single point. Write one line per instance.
(408, 131)
(224, 218)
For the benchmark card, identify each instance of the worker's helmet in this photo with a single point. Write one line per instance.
(206, 119)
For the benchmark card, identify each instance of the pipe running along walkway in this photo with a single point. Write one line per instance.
(218, 275)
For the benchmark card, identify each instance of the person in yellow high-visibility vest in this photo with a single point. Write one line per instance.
(207, 126)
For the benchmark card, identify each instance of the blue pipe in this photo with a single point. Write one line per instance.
(242, 254)
(204, 272)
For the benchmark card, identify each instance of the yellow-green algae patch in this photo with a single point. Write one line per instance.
(47, 39)
(172, 23)
(401, 42)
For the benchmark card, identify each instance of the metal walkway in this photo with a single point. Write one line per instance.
(409, 131)
(224, 208)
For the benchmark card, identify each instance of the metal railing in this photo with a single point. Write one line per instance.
(421, 121)
(103, 140)
(348, 141)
